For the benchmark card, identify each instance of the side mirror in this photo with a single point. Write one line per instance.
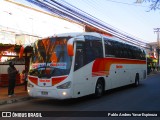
(21, 52)
(70, 48)
(70, 43)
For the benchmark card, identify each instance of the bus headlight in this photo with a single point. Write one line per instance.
(64, 93)
(65, 85)
(28, 91)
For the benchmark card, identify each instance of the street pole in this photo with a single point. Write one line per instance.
(157, 30)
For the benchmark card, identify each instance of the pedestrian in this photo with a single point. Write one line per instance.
(12, 72)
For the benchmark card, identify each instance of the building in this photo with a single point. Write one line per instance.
(22, 26)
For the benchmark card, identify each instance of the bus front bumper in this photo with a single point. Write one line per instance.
(49, 93)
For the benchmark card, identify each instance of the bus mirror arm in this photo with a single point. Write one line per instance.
(70, 43)
(22, 50)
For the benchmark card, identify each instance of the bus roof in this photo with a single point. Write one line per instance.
(74, 34)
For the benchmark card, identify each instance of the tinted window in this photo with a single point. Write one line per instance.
(122, 50)
(79, 58)
(109, 48)
(93, 48)
(88, 51)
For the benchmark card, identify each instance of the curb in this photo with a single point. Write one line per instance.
(153, 73)
(15, 100)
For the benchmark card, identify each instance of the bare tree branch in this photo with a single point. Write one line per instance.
(155, 4)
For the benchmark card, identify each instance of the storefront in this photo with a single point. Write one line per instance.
(152, 64)
(11, 53)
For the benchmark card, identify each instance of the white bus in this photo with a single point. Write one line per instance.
(78, 64)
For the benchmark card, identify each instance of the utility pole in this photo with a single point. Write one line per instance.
(157, 30)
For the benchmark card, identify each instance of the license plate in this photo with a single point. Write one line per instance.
(44, 92)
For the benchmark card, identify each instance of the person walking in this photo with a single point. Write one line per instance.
(12, 72)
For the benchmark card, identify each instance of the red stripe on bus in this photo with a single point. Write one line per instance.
(33, 79)
(103, 64)
(57, 80)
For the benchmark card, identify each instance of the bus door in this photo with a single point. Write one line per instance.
(81, 75)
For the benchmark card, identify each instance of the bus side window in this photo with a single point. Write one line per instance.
(143, 55)
(109, 48)
(93, 48)
(79, 58)
(90, 56)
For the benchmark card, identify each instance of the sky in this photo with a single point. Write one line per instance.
(125, 15)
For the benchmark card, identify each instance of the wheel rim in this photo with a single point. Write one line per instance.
(99, 89)
(137, 82)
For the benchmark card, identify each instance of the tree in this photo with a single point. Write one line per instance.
(155, 4)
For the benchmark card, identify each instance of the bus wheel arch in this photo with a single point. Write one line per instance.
(136, 80)
(100, 87)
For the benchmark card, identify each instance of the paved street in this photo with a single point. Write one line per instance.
(146, 97)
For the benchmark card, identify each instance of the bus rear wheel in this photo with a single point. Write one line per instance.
(99, 89)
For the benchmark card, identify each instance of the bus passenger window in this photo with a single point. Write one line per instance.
(109, 48)
(93, 48)
(79, 58)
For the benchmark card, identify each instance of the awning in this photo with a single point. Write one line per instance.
(6, 47)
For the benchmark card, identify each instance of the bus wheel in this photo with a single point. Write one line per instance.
(136, 81)
(99, 89)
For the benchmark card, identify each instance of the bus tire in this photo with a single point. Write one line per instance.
(136, 80)
(99, 90)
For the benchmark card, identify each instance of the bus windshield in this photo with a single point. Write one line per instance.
(50, 58)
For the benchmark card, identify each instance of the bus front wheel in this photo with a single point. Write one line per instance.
(99, 89)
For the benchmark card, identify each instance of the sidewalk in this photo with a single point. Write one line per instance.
(153, 73)
(20, 95)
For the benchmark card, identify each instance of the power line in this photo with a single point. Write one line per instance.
(80, 16)
(96, 6)
(100, 21)
(66, 11)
